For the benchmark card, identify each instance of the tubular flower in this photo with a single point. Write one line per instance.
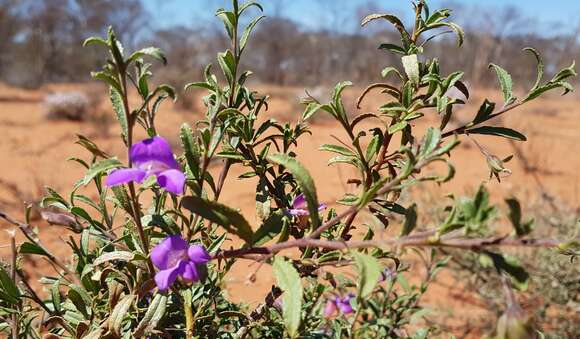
(151, 157)
(175, 258)
(300, 207)
(338, 304)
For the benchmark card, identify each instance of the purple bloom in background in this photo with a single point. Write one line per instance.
(300, 207)
(344, 305)
(330, 309)
(387, 274)
(339, 304)
(151, 157)
(175, 258)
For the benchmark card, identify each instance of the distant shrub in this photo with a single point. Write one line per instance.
(73, 106)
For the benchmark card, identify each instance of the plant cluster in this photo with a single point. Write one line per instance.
(150, 258)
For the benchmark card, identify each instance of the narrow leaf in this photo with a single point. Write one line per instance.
(289, 281)
(505, 82)
(499, 131)
(225, 216)
(369, 272)
(152, 316)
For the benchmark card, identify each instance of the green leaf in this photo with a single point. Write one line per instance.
(398, 127)
(55, 295)
(228, 65)
(505, 82)
(118, 107)
(248, 31)
(369, 272)
(116, 255)
(95, 41)
(202, 85)
(515, 216)
(153, 52)
(119, 313)
(540, 63)
(271, 228)
(373, 148)
(107, 78)
(30, 248)
(81, 299)
(263, 200)
(430, 141)
(405, 36)
(485, 110)
(310, 110)
(512, 267)
(393, 48)
(388, 70)
(100, 168)
(289, 281)
(229, 20)
(191, 149)
(337, 149)
(337, 99)
(227, 217)
(410, 220)
(8, 289)
(153, 315)
(565, 73)
(411, 64)
(548, 87)
(305, 182)
(498, 131)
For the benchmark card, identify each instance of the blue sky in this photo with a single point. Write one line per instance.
(544, 13)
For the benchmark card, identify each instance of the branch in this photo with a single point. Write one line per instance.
(424, 239)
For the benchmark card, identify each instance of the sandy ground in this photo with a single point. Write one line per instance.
(34, 152)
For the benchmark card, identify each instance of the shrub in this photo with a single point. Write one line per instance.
(73, 106)
(151, 261)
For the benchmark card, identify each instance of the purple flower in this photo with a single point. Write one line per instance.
(300, 207)
(387, 274)
(330, 309)
(339, 304)
(175, 258)
(344, 305)
(151, 157)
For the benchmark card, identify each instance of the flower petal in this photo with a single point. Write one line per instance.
(153, 150)
(299, 202)
(344, 304)
(322, 207)
(330, 309)
(190, 273)
(166, 251)
(198, 254)
(298, 212)
(172, 180)
(124, 175)
(164, 279)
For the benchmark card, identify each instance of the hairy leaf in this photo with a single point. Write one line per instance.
(498, 131)
(289, 281)
(505, 82)
(369, 272)
(225, 216)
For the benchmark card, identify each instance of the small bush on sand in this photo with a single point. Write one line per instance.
(74, 106)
